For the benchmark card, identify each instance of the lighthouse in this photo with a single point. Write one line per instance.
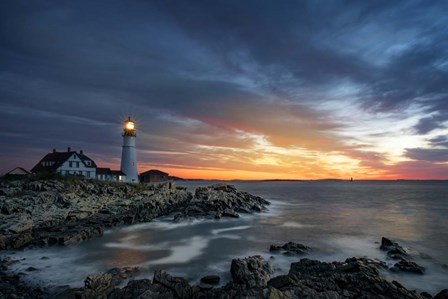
(129, 154)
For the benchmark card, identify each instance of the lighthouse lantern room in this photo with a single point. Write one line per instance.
(129, 154)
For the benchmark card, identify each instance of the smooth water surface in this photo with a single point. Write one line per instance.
(337, 219)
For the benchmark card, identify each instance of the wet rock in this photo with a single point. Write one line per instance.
(222, 200)
(15, 241)
(251, 271)
(407, 266)
(443, 294)
(11, 285)
(281, 281)
(290, 248)
(121, 274)
(394, 250)
(397, 253)
(23, 224)
(211, 279)
(230, 213)
(100, 284)
(353, 278)
(387, 244)
(178, 285)
(426, 295)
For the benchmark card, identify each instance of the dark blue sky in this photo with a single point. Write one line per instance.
(244, 89)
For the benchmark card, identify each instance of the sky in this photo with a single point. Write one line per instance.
(230, 89)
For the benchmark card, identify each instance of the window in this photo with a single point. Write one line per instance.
(88, 174)
(70, 164)
(77, 164)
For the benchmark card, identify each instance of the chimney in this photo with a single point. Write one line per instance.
(81, 152)
(69, 149)
(54, 150)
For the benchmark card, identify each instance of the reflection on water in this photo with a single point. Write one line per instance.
(337, 219)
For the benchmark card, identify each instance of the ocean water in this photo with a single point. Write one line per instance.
(336, 219)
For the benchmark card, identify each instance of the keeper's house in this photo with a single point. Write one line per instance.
(74, 163)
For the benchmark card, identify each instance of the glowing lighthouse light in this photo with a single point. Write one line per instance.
(130, 125)
(129, 153)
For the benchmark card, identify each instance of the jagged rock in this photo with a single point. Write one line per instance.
(67, 211)
(230, 213)
(291, 248)
(443, 294)
(12, 287)
(15, 241)
(21, 225)
(408, 266)
(178, 285)
(211, 279)
(394, 250)
(222, 200)
(100, 284)
(7, 209)
(121, 274)
(251, 271)
(352, 278)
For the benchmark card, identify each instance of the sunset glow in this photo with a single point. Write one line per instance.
(295, 92)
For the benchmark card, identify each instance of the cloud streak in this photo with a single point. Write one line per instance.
(230, 89)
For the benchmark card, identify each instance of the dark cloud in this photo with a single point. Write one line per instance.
(208, 72)
(439, 141)
(428, 124)
(428, 154)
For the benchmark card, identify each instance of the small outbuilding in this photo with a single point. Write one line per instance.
(154, 176)
(18, 171)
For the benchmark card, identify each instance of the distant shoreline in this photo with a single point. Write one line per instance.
(316, 180)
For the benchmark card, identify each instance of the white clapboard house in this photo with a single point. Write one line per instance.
(74, 163)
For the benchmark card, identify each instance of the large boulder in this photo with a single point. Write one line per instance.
(251, 271)
(354, 278)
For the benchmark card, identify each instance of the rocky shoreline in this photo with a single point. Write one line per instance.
(38, 213)
(251, 277)
(67, 211)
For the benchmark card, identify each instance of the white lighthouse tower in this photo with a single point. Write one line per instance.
(129, 154)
